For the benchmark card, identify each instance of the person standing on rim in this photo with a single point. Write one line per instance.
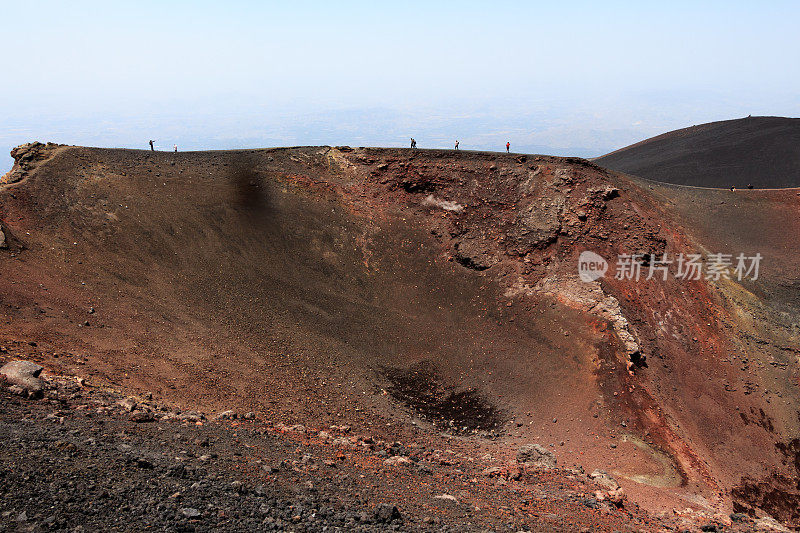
(151, 145)
(413, 143)
(175, 147)
(508, 146)
(456, 144)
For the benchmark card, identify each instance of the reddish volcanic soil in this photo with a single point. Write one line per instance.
(426, 297)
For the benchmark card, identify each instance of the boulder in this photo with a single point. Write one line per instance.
(397, 460)
(129, 404)
(226, 415)
(385, 513)
(24, 374)
(140, 415)
(475, 254)
(768, 523)
(534, 454)
(604, 479)
(609, 193)
(617, 496)
(606, 193)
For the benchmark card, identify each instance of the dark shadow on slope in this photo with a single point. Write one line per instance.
(251, 193)
(455, 411)
(776, 494)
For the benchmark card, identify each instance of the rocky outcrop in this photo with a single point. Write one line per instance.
(539, 222)
(26, 158)
(590, 298)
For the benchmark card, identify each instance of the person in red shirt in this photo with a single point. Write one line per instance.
(508, 146)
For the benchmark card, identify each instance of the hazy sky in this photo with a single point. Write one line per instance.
(558, 77)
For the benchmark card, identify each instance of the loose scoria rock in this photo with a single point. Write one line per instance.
(190, 512)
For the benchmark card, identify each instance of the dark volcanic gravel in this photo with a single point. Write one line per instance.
(77, 470)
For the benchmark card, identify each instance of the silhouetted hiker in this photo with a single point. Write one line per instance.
(175, 147)
(749, 185)
(508, 146)
(456, 145)
(151, 145)
(413, 143)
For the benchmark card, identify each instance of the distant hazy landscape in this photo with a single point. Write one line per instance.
(574, 126)
(573, 79)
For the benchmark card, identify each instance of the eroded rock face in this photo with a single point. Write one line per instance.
(3, 242)
(26, 158)
(539, 222)
(590, 298)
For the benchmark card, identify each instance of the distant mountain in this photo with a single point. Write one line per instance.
(762, 151)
